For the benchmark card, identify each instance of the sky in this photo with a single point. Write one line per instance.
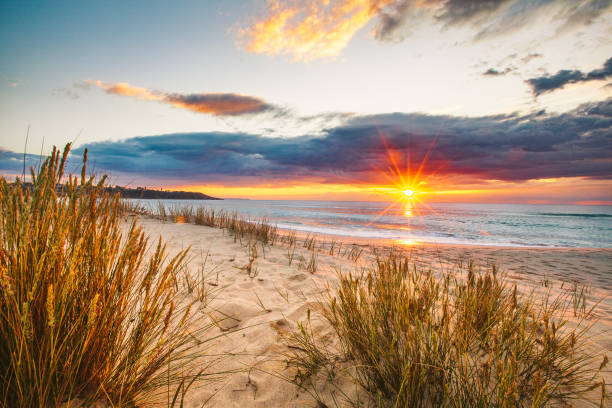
(463, 100)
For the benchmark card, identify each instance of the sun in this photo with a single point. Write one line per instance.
(406, 184)
(409, 193)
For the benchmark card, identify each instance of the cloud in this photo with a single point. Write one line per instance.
(532, 55)
(495, 72)
(465, 149)
(511, 63)
(74, 91)
(583, 12)
(12, 83)
(68, 93)
(308, 30)
(394, 18)
(556, 81)
(125, 89)
(12, 163)
(457, 11)
(501, 147)
(217, 104)
(320, 29)
(566, 14)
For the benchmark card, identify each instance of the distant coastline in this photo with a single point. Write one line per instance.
(146, 193)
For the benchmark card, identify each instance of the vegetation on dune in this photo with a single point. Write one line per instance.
(241, 227)
(410, 339)
(86, 312)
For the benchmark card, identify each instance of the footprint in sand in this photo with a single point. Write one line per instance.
(298, 278)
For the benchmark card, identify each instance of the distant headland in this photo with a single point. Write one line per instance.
(145, 193)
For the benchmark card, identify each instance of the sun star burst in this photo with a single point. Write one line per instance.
(405, 186)
(409, 193)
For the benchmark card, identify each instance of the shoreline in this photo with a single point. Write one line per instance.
(534, 263)
(399, 243)
(512, 227)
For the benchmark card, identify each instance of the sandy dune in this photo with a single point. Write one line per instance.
(276, 295)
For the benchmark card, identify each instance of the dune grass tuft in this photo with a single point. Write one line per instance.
(85, 313)
(408, 338)
(241, 227)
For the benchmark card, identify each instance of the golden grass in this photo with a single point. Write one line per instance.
(241, 227)
(85, 313)
(410, 339)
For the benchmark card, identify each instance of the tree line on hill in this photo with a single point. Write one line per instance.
(146, 193)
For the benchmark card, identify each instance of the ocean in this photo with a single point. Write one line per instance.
(519, 225)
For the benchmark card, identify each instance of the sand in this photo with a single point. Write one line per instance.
(253, 312)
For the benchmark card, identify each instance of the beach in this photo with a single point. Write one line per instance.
(255, 301)
(322, 203)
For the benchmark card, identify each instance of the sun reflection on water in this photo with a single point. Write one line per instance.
(407, 242)
(408, 210)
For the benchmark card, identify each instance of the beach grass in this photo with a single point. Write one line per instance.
(87, 312)
(409, 338)
(241, 227)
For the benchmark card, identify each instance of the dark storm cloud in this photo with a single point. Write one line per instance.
(551, 83)
(12, 164)
(506, 147)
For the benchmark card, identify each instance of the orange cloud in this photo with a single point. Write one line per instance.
(125, 89)
(309, 29)
(219, 104)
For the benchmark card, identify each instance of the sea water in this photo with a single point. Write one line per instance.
(571, 226)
